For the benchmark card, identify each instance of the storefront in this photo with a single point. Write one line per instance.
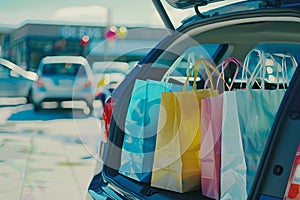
(28, 44)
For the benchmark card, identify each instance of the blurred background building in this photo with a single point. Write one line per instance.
(27, 44)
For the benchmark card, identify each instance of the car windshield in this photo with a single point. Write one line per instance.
(69, 69)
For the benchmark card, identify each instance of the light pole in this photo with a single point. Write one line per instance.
(108, 25)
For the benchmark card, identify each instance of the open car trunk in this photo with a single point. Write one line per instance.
(236, 34)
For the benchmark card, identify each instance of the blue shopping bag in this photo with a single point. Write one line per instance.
(247, 120)
(141, 128)
(248, 116)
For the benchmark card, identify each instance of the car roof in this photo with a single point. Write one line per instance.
(112, 66)
(63, 59)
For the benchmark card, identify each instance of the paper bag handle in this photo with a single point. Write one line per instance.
(224, 65)
(261, 68)
(206, 64)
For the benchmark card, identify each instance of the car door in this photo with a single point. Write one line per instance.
(12, 84)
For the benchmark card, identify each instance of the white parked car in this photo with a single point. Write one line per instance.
(63, 78)
(108, 75)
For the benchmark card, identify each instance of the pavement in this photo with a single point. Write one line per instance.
(35, 166)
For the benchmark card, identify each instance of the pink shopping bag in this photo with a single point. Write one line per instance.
(210, 152)
(211, 129)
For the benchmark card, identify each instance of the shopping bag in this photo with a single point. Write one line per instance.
(140, 128)
(176, 165)
(211, 129)
(210, 151)
(247, 118)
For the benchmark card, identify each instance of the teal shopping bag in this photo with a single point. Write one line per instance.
(141, 128)
(247, 120)
(248, 116)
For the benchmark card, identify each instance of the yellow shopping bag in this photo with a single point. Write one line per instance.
(176, 165)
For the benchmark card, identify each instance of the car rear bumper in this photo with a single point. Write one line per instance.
(100, 188)
(95, 188)
(40, 96)
(104, 186)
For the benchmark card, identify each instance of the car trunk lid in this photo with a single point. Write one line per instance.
(208, 8)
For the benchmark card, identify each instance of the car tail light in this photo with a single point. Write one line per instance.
(106, 118)
(39, 83)
(293, 189)
(88, 84)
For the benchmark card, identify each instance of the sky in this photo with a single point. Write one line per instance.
(98, 12)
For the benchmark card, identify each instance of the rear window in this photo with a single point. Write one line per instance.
(69, 69)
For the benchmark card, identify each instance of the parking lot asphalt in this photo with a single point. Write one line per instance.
(36, 167)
